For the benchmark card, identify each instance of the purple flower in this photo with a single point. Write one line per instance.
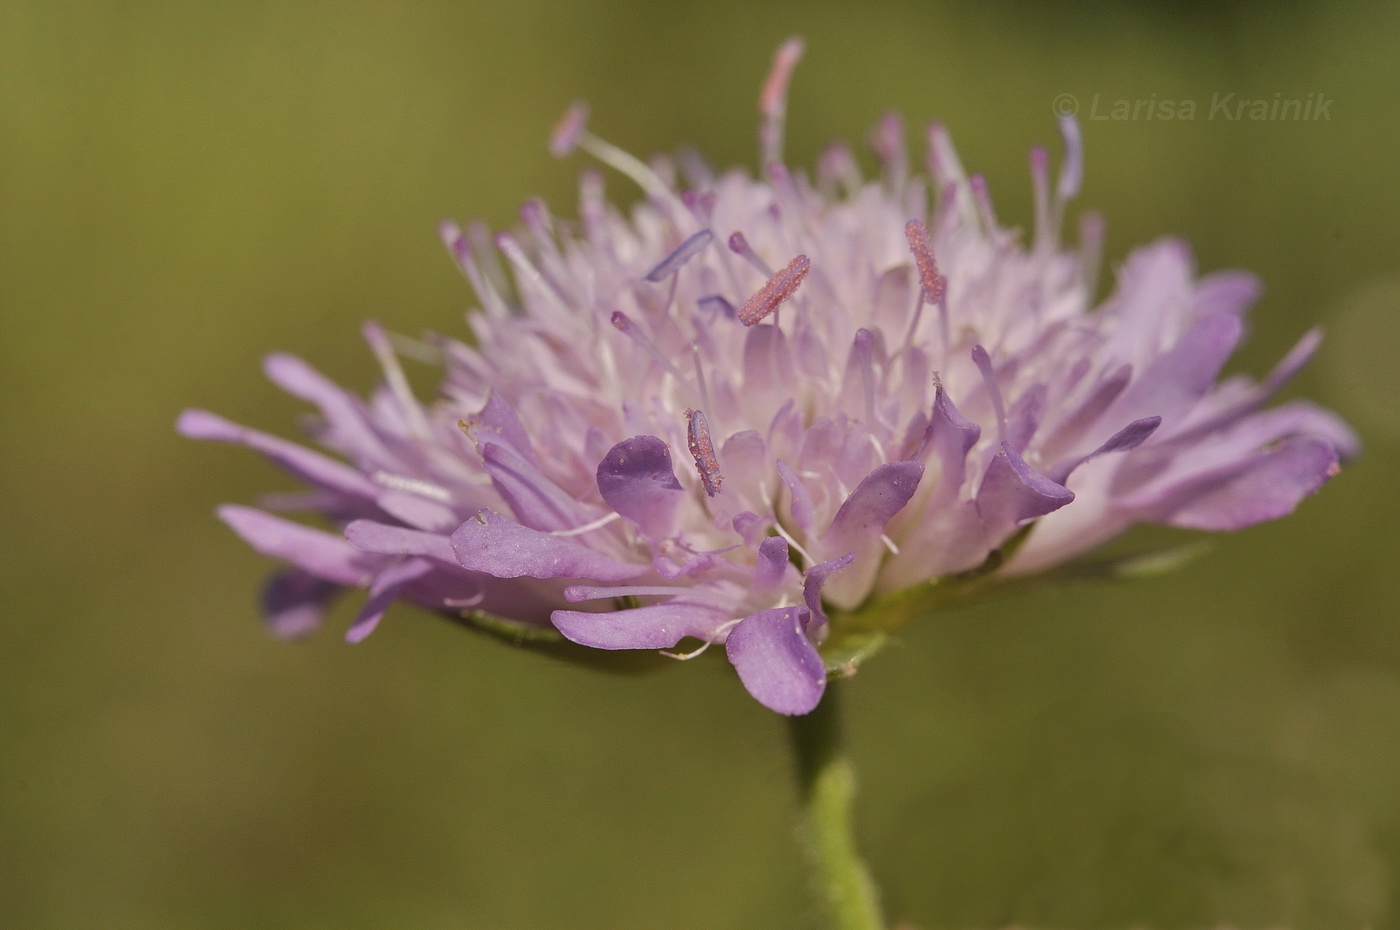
(752, 408)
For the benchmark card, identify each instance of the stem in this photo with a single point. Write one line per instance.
(827, 784)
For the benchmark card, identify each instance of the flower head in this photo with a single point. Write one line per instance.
(751, 407)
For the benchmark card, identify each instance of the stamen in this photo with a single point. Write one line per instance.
(983, 198)
(714, 303)
(461, 250)
(888, 142)
(685, 656)
(797, 547)
(699, 374)
(570, 128)
(863, 351)
(412, 485)
(933, 282)
(778, 289)
(889, 544)
(623, 323)
(983, 361)
(740, 246)
(588, 527)
(1040, 185)
(511, 249)
(1072, 171)
(772, 102)
(702, 449)
(394, 376)
(682, 254)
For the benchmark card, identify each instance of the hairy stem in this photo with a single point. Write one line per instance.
(827, 784)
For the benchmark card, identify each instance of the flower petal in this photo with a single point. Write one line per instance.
(1012, 492)
(1267, 486)
(776, 662)
(399, 540)
(316, 552)
(657, 626)
(311, 467)
(499, 546)
(294, 603)
(636, 480)
(383, 592)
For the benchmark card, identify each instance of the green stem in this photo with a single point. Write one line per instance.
(828, 786)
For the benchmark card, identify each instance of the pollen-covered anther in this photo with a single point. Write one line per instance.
(702, 449)
(779, 288)
(934, 283)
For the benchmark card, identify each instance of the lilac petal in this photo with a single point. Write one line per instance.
(1268, 486)
(398, 540)
(382, 593)
(499, 546)
(294, 603)
(311, 467)
(772, 565)
(1129, 437)
(658, 626)
(1225, 292)
(636, 480)
(418, 512)
(1182, 375)
(498, 422)
(776, 662)
(536, 501)
(315, 552)
(1012, 492)
(344, 414)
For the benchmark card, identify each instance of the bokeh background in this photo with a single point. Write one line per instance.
(186, 186)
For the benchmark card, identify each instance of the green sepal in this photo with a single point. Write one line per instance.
(846, 651)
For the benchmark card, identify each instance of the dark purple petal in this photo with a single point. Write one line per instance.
(658, 626)
(314, 551)
(311, 467)
(948, 438)
(776, 662)
(399, 540)
(382, 593)
(499, 546)
(636, 480)
(1267, 486)
(878, 497)
(1012, 492)
(294, 603)
(799, 499)
(1129, 437)
(816, 577)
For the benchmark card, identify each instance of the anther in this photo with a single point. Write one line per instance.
(702, 449)
(682, 254)
(779, 288)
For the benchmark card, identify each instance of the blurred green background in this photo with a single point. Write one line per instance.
(185, 187)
